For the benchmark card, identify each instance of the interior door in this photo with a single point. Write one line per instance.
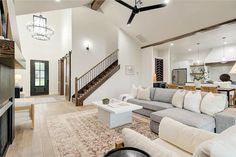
(39, 77)
(61, 77)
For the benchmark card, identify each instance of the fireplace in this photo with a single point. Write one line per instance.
(7, 82)
(5, 127)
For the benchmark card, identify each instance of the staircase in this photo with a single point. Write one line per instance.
(95, 77)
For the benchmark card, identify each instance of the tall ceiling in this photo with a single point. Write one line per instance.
(36, 6)
(179, 17)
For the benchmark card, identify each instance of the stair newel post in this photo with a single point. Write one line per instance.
(76, 91)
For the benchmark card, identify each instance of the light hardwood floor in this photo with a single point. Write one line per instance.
(36, 142)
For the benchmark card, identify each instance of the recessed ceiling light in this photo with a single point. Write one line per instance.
(189, 50)
(166, 1)
(225, 43)
(58, 0)
(171, 44)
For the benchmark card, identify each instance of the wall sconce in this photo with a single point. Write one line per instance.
(87, 45)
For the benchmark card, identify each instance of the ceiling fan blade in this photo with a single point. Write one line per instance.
(152, 7)
(131, 18)
(125, 4)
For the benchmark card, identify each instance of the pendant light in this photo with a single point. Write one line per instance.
(198, 60)
(223, 56)
(39, 28)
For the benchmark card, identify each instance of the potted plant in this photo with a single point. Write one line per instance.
(105, 101)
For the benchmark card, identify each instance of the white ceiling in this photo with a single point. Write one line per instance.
(207, 40)
(36, 6)
(179, 17)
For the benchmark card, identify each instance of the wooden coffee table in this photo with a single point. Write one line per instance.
(117, 113)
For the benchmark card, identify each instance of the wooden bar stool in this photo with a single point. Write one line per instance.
(172, 86)
(212, 89)
(190, 88)
(233, 99)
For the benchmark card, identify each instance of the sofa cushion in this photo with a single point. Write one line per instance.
(223, 145)
(164, 95)
(134, 91)
(172, 147)
(185, 137)
(192, 101)
(143, 93)
(193, 119)
(213, 103)
(134, 139)
(178, 98)
(152, 92)
(151, 105)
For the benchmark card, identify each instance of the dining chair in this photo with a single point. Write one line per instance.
(190, 88)
(233, 99)
(172, 86)
(212, 89)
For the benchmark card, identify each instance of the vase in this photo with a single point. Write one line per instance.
(197, 83)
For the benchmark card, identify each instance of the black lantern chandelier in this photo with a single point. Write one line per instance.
(40, 29)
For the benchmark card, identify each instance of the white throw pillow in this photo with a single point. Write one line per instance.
(136, 140)
(134, 91)
(221, 146)
(192, 101)
(143, 93)
(213, 103)
(178, 98)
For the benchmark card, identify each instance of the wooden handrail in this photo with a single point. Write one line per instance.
(93, 73)
(98, 64)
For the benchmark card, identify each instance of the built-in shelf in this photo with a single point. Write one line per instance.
(202, 65)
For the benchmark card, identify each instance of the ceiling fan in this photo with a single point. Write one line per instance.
(136, 9)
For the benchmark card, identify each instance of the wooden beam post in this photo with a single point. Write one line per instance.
(96, 4)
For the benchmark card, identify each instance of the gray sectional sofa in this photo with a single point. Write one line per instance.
(160, 106)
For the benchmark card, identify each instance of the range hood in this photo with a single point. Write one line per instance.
(216, 54)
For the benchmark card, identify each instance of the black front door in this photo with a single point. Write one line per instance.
(39, 77)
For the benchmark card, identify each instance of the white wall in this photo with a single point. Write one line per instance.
(147, 66)
(92, 26)
(50, 50)
(120, 83)
(104, 38)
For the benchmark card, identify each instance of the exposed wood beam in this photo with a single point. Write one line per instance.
(191, 33)
(96, 4)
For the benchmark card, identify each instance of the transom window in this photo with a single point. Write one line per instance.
(39, 74)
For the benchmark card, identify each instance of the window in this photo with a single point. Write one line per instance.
(39, 74)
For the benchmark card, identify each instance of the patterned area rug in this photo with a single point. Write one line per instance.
(80, 134)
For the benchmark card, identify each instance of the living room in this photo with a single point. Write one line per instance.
(118, 78)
